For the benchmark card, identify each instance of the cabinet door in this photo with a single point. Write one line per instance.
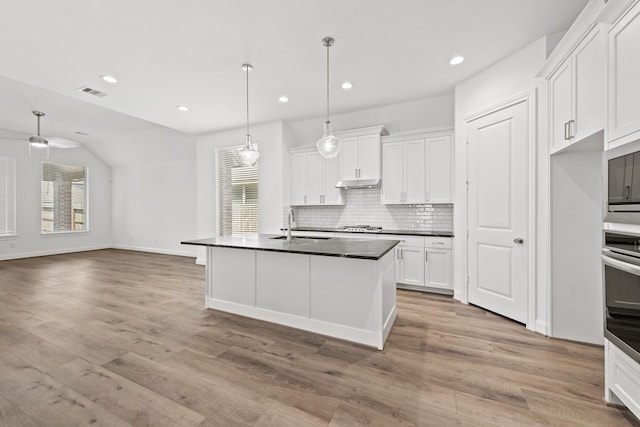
(315, 180)
(560, 106)
(439, 170)
(298, 178)
(331, 194)
(635, 178)
(624, 84)
(438, 268)
(620, 176)
(589, 75)
(369, 155)
(392, 170)
(411, 265)
(414, 171)
(349, 158)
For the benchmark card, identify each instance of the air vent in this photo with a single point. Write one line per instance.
(91, 91)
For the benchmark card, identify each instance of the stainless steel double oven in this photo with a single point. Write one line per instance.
(621, 260)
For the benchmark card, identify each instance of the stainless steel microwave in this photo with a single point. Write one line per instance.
(624, 184)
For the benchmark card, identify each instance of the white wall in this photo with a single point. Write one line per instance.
(425, 113)
(154, 206)
(30, 242)
(270, 185)
(510, 77)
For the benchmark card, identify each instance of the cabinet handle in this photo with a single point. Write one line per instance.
(397, 253)
(627, 192)
(427, 196)
(566, 136)
(571, 126)
(426, 256)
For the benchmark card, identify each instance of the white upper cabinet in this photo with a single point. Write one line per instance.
(577, 92)
(439, 169)
(360, 153)
(417, 168)
(299, 179)
(624, 79)
(313, 180)
(360, 157)
(404, 178)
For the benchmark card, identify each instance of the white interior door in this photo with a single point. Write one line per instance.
(497, 217)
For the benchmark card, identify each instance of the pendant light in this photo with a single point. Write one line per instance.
(329, 144)
(38, 141)
(248, 154)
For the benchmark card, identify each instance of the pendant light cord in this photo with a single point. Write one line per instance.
(247, 100)
(328, 45)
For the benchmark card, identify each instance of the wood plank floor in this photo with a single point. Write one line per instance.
(111, 338)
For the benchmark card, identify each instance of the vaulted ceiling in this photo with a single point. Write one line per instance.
(168, 52)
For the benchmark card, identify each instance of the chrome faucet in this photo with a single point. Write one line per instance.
(289, 219)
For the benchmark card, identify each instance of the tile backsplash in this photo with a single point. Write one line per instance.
(364, 207)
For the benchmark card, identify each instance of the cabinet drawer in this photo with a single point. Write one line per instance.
(437, 242)
(355, 235)
(312, 233)
(623, 374)
(404, 240)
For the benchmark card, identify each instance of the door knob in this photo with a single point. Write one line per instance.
(518, 240)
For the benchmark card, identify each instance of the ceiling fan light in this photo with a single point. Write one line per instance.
(38, 141)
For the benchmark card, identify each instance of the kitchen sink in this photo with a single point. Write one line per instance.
(301, 238)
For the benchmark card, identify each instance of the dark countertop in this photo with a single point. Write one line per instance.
(383, 231)
(339, 247)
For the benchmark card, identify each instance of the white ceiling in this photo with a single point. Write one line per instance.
(170, 52)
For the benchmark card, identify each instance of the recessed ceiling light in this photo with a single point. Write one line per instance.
(456, 60)
(347, 85)
(108, 78)
(182, 107)
(283, 99)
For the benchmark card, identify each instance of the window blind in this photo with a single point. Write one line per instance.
(237, 194)
(7, 196)
(63, 198)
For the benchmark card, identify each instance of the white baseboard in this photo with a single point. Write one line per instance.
(542, 327)
(59, 251)
(201, 261)
(191, 254)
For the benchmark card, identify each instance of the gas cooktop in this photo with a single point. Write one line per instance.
(360, 228)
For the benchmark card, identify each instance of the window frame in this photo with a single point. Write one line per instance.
(86, 229)
(14, 234)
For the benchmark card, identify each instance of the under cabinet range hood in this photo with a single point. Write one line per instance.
(358, 183)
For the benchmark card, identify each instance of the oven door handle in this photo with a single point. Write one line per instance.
(621, 262)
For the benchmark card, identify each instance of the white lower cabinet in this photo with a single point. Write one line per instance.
(423, 263)
(410, 265)
(622, 378)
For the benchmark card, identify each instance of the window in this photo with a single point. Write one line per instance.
(237, 194)
(63, 198)
(7, 197)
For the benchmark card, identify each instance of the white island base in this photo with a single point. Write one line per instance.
(348, 298)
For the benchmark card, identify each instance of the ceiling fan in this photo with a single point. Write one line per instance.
(42, 141)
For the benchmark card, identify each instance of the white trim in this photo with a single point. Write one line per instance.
(53, 252)
(530, 97)
(63, 233)
(190, 254)
(201, 261)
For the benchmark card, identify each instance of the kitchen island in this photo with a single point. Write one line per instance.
(343, 288)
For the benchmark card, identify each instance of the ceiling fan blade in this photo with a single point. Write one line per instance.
(62, 143)
(13, 135)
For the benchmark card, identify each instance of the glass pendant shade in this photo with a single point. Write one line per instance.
(329, 144)
(248, 153)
